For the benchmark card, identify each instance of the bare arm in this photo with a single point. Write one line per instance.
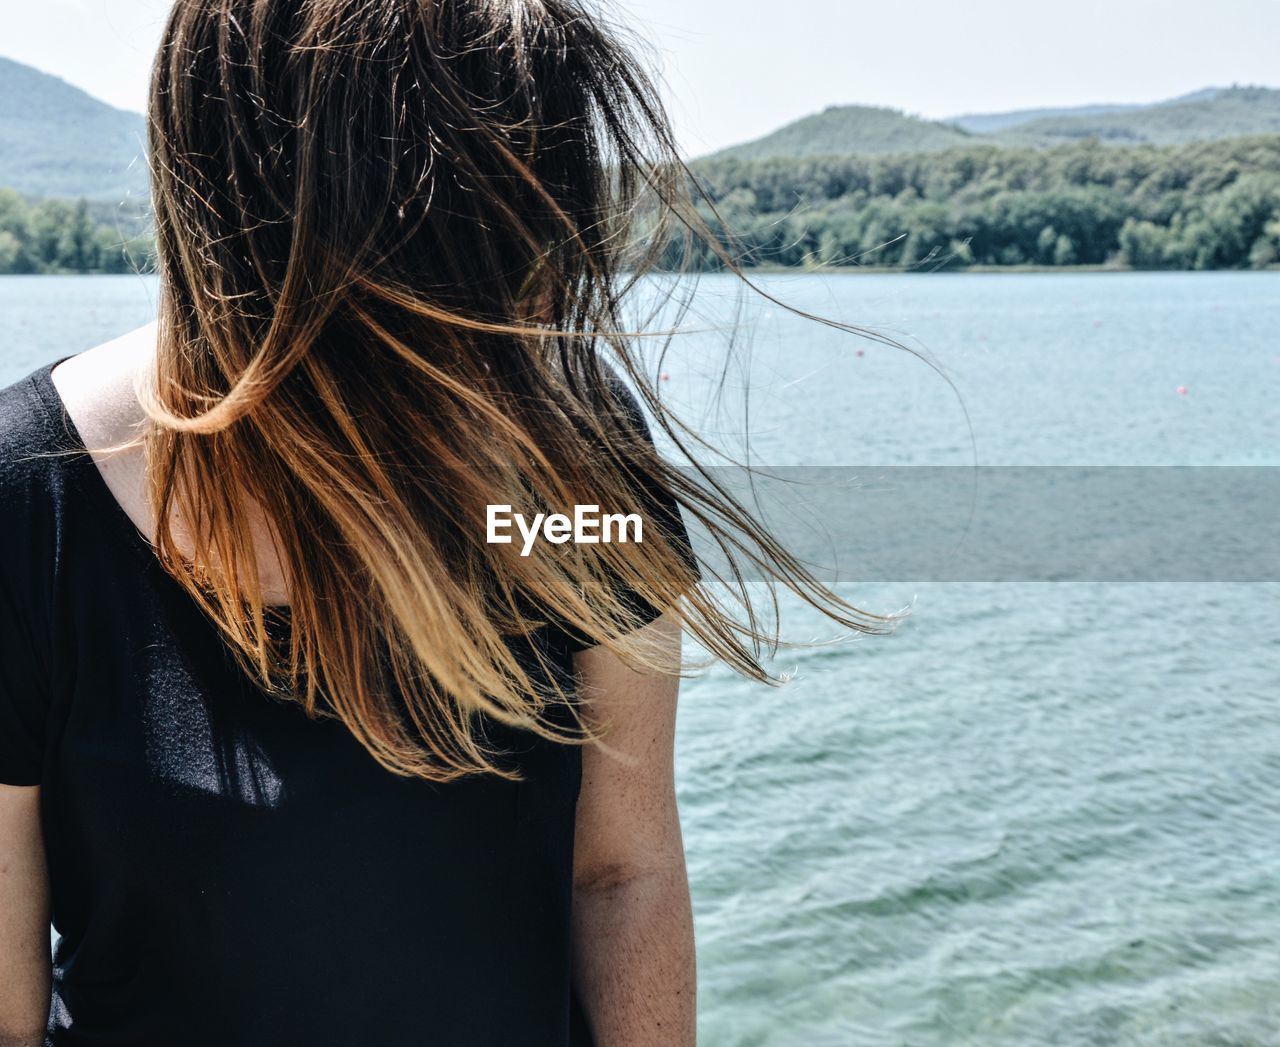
(24, 920)
(633, 945)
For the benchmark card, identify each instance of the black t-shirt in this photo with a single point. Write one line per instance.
(224, 870)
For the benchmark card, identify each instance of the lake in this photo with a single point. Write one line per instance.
(1038, 812)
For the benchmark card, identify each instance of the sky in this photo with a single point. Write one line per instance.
(737, 69)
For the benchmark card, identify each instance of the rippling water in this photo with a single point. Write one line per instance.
(1037, 813)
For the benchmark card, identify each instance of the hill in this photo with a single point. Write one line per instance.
(56, 140)
(1226, 113)
(1206, 115)
(847, 129)
(1197, 205)
(992, 123)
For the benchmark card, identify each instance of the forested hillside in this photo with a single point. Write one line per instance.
(1197, 206)
(1210, 114)
(1155, 186)
(851, 129)
(1224, 114)
(989, 123)
(56, 140)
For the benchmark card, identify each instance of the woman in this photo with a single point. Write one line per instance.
(291, 753)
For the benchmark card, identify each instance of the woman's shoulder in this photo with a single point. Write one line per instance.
(31, 440)
(40, 429)
(32, 489)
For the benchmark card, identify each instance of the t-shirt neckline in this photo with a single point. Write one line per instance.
(94, 483)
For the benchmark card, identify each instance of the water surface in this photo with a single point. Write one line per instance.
(1038, 813)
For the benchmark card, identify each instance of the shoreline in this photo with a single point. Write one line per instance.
(855, 270)
(831, 270)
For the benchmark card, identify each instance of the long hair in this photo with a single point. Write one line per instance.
(395, 238)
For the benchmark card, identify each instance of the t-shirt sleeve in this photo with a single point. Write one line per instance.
(28, 526)
(658, 508)
(22, 696)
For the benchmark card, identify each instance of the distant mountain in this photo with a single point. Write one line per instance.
(991, 123)
(1204, 116)
(1203, 95)
(56, 140)
(852, 129)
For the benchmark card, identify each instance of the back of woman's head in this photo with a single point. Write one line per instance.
(394, 240)
(315, 158)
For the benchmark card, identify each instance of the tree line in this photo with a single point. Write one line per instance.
(1207, 205)
(63, 236)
